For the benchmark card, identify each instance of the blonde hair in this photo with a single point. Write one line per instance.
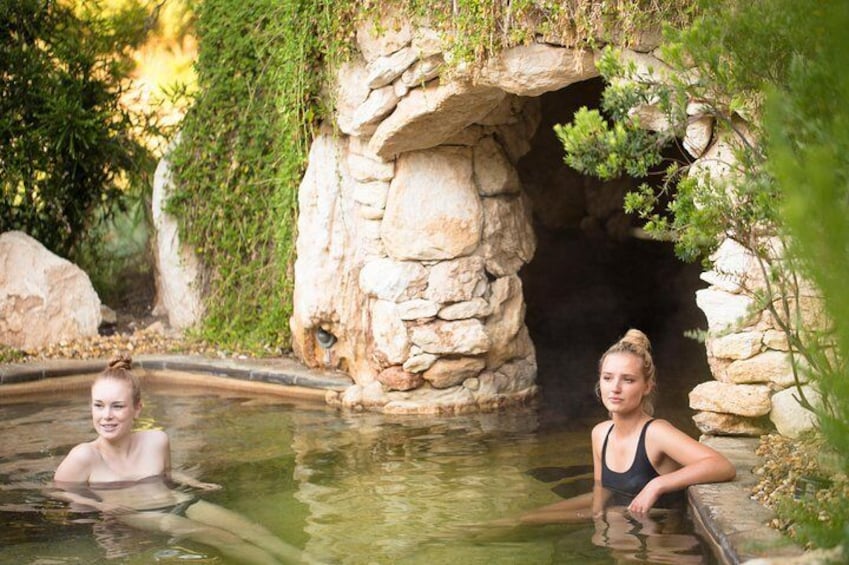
(637, 343)
(119, 369)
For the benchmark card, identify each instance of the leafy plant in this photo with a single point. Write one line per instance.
(69, 148)
(806, 122)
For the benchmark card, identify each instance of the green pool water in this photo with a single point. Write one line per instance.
(344, 488)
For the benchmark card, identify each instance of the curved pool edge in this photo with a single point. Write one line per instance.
(280, 376)
(731, 522)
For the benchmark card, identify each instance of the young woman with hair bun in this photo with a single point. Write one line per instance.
(639, 462)
(126, 475)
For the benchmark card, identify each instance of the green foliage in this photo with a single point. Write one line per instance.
(68, 147)
(10, 354)
(474, 30)
(242, 152)
(808, 126)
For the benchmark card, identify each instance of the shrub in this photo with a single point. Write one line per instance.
(68, 147)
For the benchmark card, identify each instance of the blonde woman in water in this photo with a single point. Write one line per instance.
(126, 474)
(638, 461)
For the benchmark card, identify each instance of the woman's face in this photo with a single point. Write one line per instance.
(112, 409)
(622, 384)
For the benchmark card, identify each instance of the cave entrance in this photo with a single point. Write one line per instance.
(592, 278)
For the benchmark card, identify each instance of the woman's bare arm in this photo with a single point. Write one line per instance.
(697, 463)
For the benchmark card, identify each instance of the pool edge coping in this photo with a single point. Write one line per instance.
(732, 523)
(285, 374)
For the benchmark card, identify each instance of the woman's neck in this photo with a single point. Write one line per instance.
(627, 423)
(120, 447)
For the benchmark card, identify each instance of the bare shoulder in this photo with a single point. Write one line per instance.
(77, 465)
(153, 438)
(663, 431)
(84, 452)
(600, 430)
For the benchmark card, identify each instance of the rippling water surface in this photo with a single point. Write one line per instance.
(344, 488)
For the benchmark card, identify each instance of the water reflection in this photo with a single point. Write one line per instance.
(658, 538)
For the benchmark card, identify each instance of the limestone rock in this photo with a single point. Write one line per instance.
(462, 337)
(391, 343)
(44, 299)
(776, 339)
(714, 423)
(766, 367)
(389, 35)
(647, 67)
(741, 345)
(321, 240)
(508, 241)
(698, 134)
(383, 70)
(716, 162)
(392, 280)
(433, 211)
(742, 400)
(650, 116)
(788, 415)
(508, 318)
(422, 71)
(376, 106)
(350, 93)
(419, 363)
(178, 269)
(365, 166)
(418, 309)
(396, 378)
(474, 308)
(456, 281)
(428, 116)
(445, 373)
(724, 310)
(427, 42)
(734, 268)
(494, 173)
(520, 375)
(333, 244)
(531, 70)
(372, 193)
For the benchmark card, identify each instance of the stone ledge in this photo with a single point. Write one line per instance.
(735, 525)
(279, 371)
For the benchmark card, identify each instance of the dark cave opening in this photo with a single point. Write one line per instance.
(591, 279)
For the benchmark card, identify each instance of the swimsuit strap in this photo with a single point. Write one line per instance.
(641, 447)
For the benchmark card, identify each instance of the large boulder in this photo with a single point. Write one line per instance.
(44, 298)
(178, 268)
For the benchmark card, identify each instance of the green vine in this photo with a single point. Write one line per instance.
(262, 68)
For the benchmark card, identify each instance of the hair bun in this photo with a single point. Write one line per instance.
(637, 339)
(121, 361)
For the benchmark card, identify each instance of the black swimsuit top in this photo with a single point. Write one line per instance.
(629, 484)
(632, 481)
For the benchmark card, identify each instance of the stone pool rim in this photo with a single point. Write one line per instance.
(733, 524)
(278, 376)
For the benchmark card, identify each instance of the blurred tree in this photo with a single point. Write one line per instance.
(69, 148)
